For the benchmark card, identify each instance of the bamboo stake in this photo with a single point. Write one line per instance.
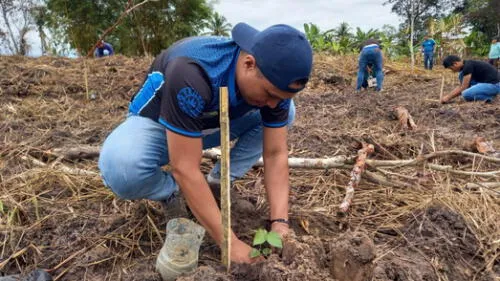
(442, 88)
(86, 79)
(224, 179)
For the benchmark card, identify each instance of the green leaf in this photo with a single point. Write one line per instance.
(255, 253)
(1, 207)
(260, 237)
(266, 251)
(274, 239)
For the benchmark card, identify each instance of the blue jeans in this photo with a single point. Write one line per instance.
(370, 56)
(133, 154)
(428, 60)
(481, 92)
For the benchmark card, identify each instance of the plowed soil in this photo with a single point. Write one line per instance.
(421, 225)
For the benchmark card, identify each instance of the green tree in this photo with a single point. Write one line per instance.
(484, 16)
(360, 36)
(418, 12)
(388, 38)
(478, 43)
(146, 30)
(321, 41)
(218, 25)
(343, 36)
(39, 14)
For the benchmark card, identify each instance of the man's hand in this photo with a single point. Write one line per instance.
(240, 252)
(445, 99)
(281, 228)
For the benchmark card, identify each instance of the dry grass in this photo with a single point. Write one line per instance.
(72, 224)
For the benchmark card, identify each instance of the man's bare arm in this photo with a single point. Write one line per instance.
(185, 158)
(458, 90)
(276, 174)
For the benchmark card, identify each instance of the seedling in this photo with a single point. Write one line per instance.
(263, 241)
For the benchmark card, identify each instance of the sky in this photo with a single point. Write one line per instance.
(326, 14)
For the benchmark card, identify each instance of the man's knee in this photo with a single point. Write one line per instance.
(122, 172)
(468, 95)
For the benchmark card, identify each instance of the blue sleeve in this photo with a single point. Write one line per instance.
(276, 117)
(184, 97)
(109, 48)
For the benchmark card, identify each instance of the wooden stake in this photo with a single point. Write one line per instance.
(86, 79)
(225, 181)
(442, 88)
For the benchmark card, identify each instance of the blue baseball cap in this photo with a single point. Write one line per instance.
(282, 53)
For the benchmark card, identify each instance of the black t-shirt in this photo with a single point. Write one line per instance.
(482, 72)
(183, 103)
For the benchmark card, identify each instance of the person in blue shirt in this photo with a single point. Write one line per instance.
(428, 47)
(103, 49)
(175, 115)
(494, 55)
(371, 54)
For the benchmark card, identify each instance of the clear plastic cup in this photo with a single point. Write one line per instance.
(179, 253)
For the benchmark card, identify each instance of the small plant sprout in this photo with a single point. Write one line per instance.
(262, 242)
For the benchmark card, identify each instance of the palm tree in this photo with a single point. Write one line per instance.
(451, 31)
(218, 25)
(362, 36)
(343, 35)
(344, 30)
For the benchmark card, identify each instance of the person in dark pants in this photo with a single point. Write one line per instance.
(371, 53)
(479, 80)
(428, 47)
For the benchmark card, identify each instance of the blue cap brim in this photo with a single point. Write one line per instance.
(243, 34)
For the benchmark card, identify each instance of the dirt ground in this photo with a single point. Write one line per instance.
(411, 222)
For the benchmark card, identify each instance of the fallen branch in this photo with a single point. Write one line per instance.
(405, 119)
(450, 170)
(89, 152)
(60, 167)
(473, 185)
(309, 163)
(382, 180)
(75, 153)
(340, 161)
(356, 173)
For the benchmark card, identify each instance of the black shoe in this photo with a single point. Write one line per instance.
(175, 207)
(237, 203)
